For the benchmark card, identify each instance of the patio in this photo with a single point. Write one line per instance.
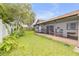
(60, 39)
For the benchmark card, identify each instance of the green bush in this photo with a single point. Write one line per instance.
(18, 33)
(8, 44)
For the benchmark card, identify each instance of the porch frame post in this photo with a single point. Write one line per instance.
(78, 32)
(77, 47)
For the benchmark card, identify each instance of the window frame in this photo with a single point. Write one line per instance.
(70, 27)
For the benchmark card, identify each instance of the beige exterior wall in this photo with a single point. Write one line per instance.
(43, 28)
(48, 25)
(62, 23)
(37, 28)
(40, 28)
(63, 26)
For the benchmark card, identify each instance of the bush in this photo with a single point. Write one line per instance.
(8, 44)
(18, 33)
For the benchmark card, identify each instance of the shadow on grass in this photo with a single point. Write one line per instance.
(66, 45)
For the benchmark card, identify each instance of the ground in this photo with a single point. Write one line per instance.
(33, 45)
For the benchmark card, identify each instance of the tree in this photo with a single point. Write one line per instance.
(17, 13)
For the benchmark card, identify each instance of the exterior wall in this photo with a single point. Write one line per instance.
(40, 28)
(63, 26)
(37, 28)
(47, 26)
(43, 28)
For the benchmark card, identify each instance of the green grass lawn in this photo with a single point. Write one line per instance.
(33, 45)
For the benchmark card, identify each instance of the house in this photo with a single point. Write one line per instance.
(66, 25)
(37, 28)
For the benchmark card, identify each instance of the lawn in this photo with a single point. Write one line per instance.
(33, 45)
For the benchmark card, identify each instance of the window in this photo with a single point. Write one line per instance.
(51, 28)
(57, 29)
(71, 26)
(61, 30)
(37, 27)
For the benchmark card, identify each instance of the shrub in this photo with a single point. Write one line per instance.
(18, 33)
(8, 44)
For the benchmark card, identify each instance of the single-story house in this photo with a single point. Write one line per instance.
(37, 28)
(66, 25)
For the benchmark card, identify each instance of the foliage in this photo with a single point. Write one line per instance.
(8, 44)
(34, 45)
(16, 14)
(17, 11)
(18, 33)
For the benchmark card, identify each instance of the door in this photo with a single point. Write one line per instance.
(50, 29)
(47, 30)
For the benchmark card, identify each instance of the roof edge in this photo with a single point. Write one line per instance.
(62, 16)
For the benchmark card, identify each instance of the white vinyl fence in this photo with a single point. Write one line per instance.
(0, 30)
(6, 29)
(3, 30)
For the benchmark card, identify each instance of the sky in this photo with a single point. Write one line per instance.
(46, 11)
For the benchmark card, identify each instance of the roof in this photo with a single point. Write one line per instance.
(38, 21)
(62, 16)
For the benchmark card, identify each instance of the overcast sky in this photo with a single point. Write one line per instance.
(47, 10)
